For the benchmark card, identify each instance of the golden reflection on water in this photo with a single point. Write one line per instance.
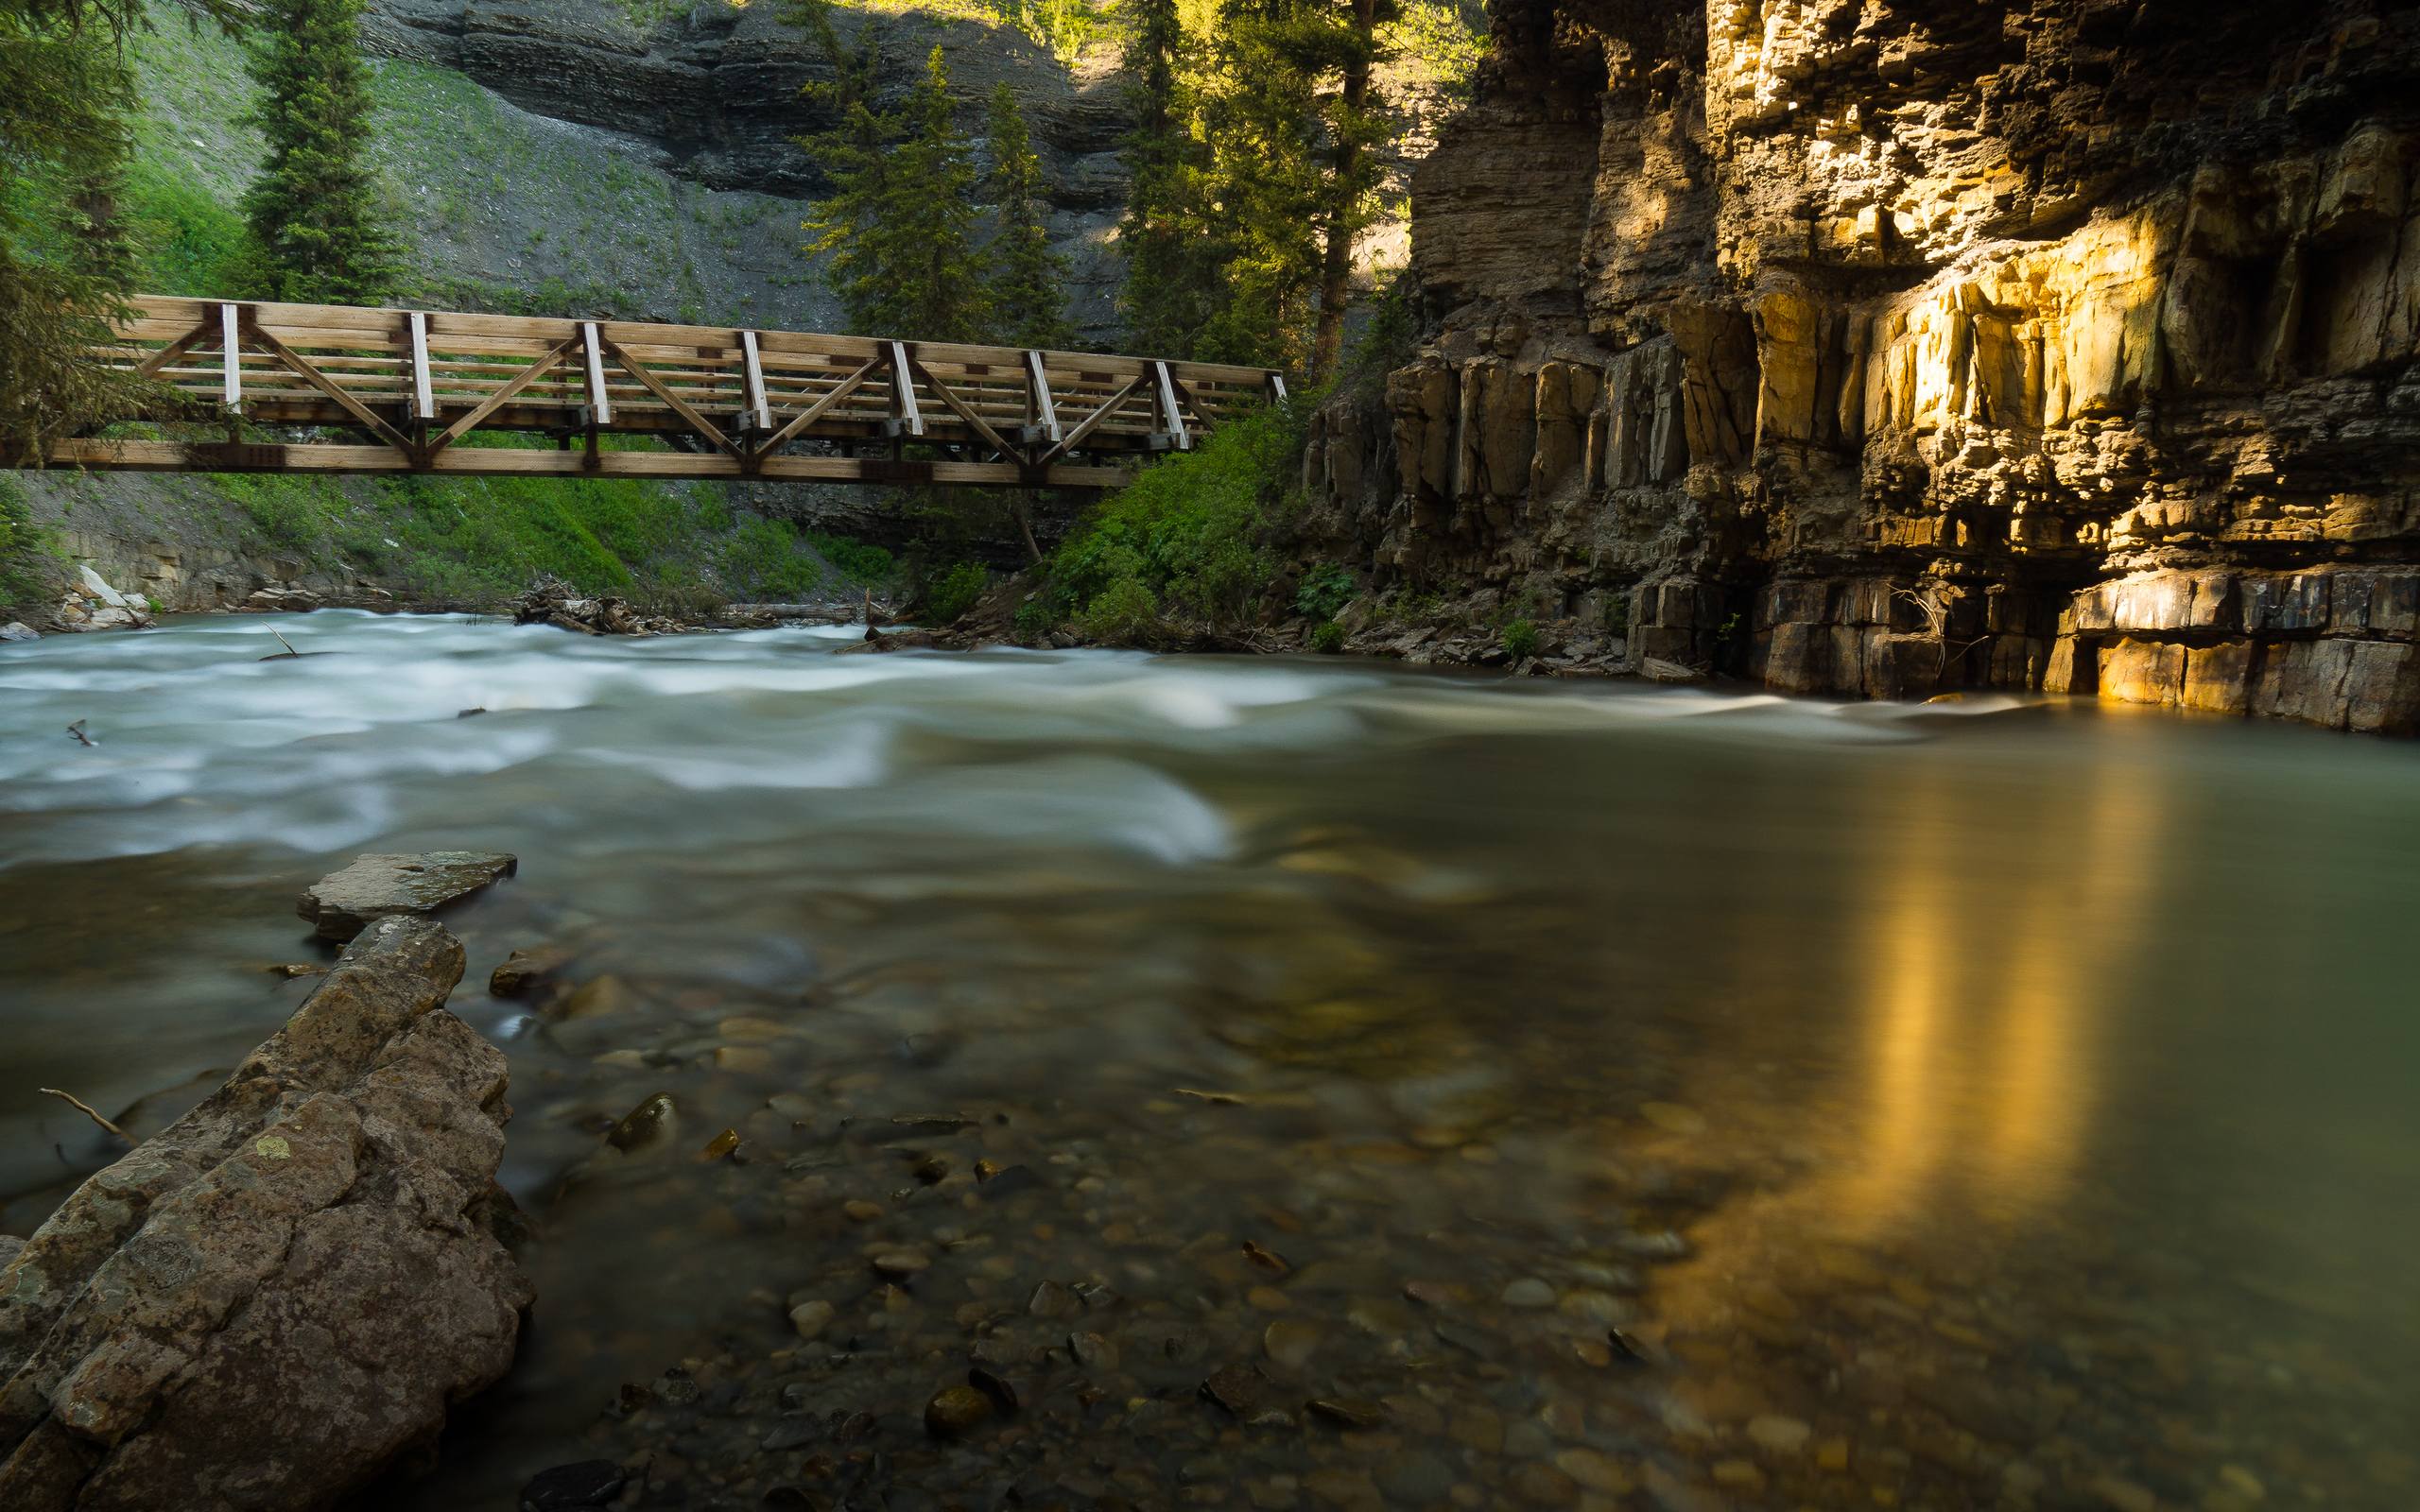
(1984, 966)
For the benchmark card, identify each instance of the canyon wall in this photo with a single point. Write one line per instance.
(1891, 347)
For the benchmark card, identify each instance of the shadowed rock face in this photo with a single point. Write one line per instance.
(1889, 347)
(719, 89)
(283, 1292)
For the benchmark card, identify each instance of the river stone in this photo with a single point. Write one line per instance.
(280, 1295)
(811, 1318)
(591, 1483)
(954, 1410)
(19, 630)
(343, 902)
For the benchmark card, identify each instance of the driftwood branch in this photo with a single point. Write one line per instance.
(87, 1109)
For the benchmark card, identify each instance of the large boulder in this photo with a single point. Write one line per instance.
(343, 902)
(280, 1296)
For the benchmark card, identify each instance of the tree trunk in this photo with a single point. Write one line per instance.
(1335, 271)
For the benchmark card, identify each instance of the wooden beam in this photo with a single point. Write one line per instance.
(902, 393)
(1171, 419)
(754, 376)
(354, 408)
(178, 456)
(231, 341)
(600, 403)
(959, 407)
(423, 393)
(1040, 411)
(493, 402)
(678, 405)
(151, 365)
(816, 411)
(1090, 422)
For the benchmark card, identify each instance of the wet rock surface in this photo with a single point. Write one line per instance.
(285, 1291)
(552, 601)
(344, 902)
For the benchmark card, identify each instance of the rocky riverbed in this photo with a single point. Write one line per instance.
(1090, 1079)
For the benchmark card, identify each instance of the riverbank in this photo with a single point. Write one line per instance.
(1912, 1078)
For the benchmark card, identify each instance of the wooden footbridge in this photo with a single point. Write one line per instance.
(414, 389)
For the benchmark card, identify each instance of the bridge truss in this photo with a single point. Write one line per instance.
(453, 394)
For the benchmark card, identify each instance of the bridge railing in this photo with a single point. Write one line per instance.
(728, 402)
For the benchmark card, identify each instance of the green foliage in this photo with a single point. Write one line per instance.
(20, 538)
(1187, 534)
(1386, 341)
(766, 554)
(1328, 637)
(1124, 613)
(317, 228)
(856, 561)
(188, 241)
(1442, 39)
(899, 227)
(1036, 618)
(65, 93)
(1324, 591)
(1172, 286)
(1521, 638)
(1028, 278)
(953, 592)
(648, 15)
(678, 547)
(1617, 612)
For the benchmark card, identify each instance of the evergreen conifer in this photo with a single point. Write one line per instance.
(317, 231)
(899, 227)
(1028, 279)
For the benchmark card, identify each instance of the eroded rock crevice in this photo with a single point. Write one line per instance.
(1880, 348)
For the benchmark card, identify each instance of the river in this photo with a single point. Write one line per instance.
(1629, 1096)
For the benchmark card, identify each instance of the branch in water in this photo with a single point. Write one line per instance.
(87, 1109)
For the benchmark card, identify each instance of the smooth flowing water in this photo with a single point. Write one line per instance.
(1614, 1097)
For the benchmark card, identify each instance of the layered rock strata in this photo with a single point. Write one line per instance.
(268, 1303)
(1887, 346)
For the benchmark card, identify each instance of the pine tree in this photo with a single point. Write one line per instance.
(1171, 262)
(899, 226)
(1028, 284)
(1290, 120)
(316, 232)
(64, 95)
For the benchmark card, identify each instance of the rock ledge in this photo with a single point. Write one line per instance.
(270, 1303)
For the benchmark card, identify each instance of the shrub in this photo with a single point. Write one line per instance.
(1521, 638)
(1123, 613)
(1328, 639)
(954, 592)
(764, 557)
(1324, 591)
(855, 560)
(1187, 533)
(19, 539)
(1036, 618)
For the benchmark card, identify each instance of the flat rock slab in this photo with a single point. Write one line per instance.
(343, 904)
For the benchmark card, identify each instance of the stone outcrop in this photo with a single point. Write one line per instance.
(552, 601)
(283, 1293)
(92, 604)
(1887, 346)
(344, 902)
